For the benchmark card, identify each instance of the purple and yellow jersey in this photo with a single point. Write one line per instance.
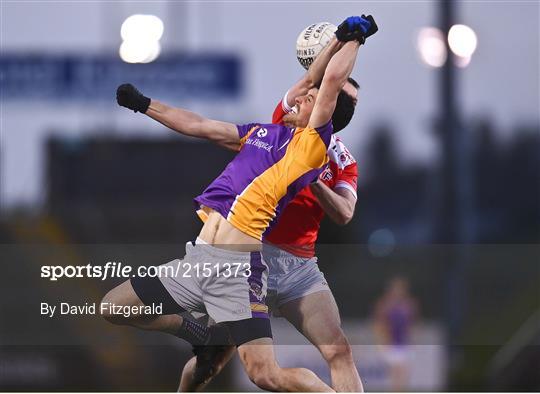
(274, 163)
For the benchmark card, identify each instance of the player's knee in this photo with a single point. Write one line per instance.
(264, 374)
(266, 380)
(118, 296)
(107, 313)
(339, 350)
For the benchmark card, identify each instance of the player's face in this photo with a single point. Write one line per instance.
(351, 91)
(305, 106)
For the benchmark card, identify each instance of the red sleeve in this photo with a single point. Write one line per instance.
(279, 113)
(348, 178)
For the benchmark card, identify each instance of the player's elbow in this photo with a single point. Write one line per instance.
(334, 80)
(346, 219)
(308, 82)
(344, 216)
(342, 220)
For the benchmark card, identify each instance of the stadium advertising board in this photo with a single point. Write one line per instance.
(46, 76)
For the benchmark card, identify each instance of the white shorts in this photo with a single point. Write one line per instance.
(227, 285)
(291, 277)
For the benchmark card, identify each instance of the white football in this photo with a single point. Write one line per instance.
(312, 40)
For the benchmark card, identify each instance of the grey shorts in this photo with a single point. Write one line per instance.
(291, 277)
(227, 285)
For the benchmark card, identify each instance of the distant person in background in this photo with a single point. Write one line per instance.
(395, 312)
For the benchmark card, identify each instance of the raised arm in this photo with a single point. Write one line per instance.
(353, 31)
(314, 74)
(178, 119)
(316, 70)
(338, 70)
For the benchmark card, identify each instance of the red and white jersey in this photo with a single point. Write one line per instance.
(298, 226)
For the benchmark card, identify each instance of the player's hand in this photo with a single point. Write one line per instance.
(373, 28)
(353, 28)
(128, 96)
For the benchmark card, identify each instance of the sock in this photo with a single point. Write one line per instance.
(193, 331)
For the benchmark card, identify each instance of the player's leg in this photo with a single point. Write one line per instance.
(124, 295)
(316, 316)
(260, 364)
(239, 302)
(304, 298)
(207, 364)
(174, 292)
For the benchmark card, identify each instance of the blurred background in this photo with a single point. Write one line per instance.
(447, 139)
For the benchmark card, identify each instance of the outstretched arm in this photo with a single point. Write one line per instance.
(178, 119)
(194, 125)
(314, 74)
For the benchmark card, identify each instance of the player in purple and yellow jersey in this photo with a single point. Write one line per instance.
(297, 289)
(274, 162)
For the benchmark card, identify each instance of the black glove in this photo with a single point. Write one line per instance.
(128, 96)
(373, 28)
(353, 28)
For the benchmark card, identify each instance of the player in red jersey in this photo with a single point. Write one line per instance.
(310, 205)
(297, 289)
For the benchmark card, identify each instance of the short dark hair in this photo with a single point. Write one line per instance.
(344, 111)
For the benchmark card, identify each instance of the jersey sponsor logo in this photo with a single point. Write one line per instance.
(257, 143)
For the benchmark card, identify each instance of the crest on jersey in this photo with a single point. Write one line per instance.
(262, 132)
(345, 156)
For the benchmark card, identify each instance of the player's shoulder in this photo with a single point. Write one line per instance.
(339, 153)
(275, 127)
